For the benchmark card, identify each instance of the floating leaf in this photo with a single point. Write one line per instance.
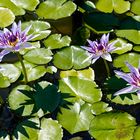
(107, 6)
(113, 126)
(114, 84)
(137, 133)
(52, 9)
(10, 71)
(101, 22)
(26, 4)
(100, 107)
(135, 7)
(51, 69)
(79, 117)
(50, 130)
(4, 81)
(15, 9)
(38, 29)
(71, 57)
(56, 41)
(34, 72)
(122, 46)
(38, 56)
(132, 58)
(6, 17)
(86, 73)
(16, 98)
(82, 88)
(27, 129)
(130, 29)
(136, 48)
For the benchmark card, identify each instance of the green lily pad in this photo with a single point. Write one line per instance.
(33, 71)
(137, 133)
(38, 29)
(130, 29)
(56, 41)
(26, 4)
(79, 117)
(16, 98)
(122, 46)
(51, 69)
(52, 9)
(101, 22)
(136, 48)
(7, 17)
(100, 107)
(82, 88)
(4, 135)
(38, 56)
(107, 6)
(132, 58)
(4, 81)
(27, 130)
(86, 73)
(135, 7)
(15, 9)
(113, 126)
(50, 130)
(10, 71)
(71, 57)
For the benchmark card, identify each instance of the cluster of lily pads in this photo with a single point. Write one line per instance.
(69, 69)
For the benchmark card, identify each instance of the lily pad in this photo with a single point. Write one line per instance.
(4, 81)
(100, 107)
(135, 7)
(137, 133)
(122, 46)
(86, 73)
(27, 129)
(130, 29)
(15, 9)
(71, 57)
(39, 29)
(107, 6)
(132, 58)
(10, 71)
(38, 56)
(16, 98)
(82, 88)
(101, 22)
(79, 117)
(56, 41)
(26, 4)
(113, 126)
(7, 17)
(33, 71)
(136, 48)
(50, 130)
(52, 9)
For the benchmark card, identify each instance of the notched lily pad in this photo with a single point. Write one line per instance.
(52, 9)
(56, 41)
(113, 126)
(71, 57)
(38, 29)
(79, 116)
(38, 56)
(7, 17)
(82, 88)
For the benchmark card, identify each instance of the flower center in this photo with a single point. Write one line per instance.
(12, 40)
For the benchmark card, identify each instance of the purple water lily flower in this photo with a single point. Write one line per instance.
(133, 79)
(101, 48)
(14, 40)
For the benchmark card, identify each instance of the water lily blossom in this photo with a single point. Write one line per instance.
(133, 79)
(14, 40)
(100, 48)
